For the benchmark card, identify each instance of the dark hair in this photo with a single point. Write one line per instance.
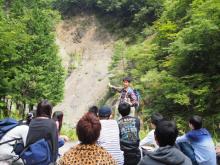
(58, 116)
(44, 109)
(94, 109)
(166, 133)
(128, 79)
(156, 118)
(196, 121)
(31, 115)
(124, 109)
(88, 128)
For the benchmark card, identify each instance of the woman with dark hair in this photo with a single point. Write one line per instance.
(58, 118)
(87, 152)
(43, 127)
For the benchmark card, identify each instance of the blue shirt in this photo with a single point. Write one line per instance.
(202, 144)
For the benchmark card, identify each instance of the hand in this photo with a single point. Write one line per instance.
(65, 138)
(109, 84)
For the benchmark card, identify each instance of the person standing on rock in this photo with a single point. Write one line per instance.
(127, 94)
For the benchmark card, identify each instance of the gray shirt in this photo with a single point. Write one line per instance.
(168, 155)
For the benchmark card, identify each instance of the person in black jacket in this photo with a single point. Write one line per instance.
(129, 128)
(43, 127)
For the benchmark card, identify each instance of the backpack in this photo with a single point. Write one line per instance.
(37, 153)
(6, 125)
(138, 96)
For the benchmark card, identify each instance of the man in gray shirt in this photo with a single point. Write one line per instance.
(165, 135)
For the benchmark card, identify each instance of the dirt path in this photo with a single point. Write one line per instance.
(88, 82)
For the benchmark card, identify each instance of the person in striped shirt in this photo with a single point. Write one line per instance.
(109, 135)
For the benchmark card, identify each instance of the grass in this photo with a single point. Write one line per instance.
(69, 131)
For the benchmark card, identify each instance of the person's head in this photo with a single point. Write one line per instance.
(44, 109)
(105, 112)
(88, 128)
(195, 122)
(126, 81)
(31, 115)
(166, 133)
(124, 109)
(155, 119)
(58, 116)
(94, 109)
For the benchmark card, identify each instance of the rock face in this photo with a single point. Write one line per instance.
(86, 51)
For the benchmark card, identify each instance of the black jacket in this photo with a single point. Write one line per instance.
(47, 129)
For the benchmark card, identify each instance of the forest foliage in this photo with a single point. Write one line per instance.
(177, 69)
(30, 69)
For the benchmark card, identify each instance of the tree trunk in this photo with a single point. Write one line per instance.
(23, 110)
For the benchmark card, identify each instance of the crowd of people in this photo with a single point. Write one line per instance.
(106, 141)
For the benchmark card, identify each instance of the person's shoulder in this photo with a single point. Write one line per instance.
(52, 123)
(187, 161)
(44, 122)
(22, 126)
(151, 132)
(178, 153)
(198, 132)
(122, 119)
(68, 155)
(146, 160)
(130, 90)
(106, 156)
(136, 118)
(108, 121)
(19, 129)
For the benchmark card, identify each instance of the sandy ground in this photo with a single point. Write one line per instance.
(86, 84)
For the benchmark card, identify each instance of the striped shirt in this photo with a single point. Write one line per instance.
(109, 139)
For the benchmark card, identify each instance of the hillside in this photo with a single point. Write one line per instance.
(87, 49)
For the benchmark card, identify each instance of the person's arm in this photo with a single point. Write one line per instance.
(24, 133)
(64, 137)
(149, 139)
(118, 89)
(182, 138)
